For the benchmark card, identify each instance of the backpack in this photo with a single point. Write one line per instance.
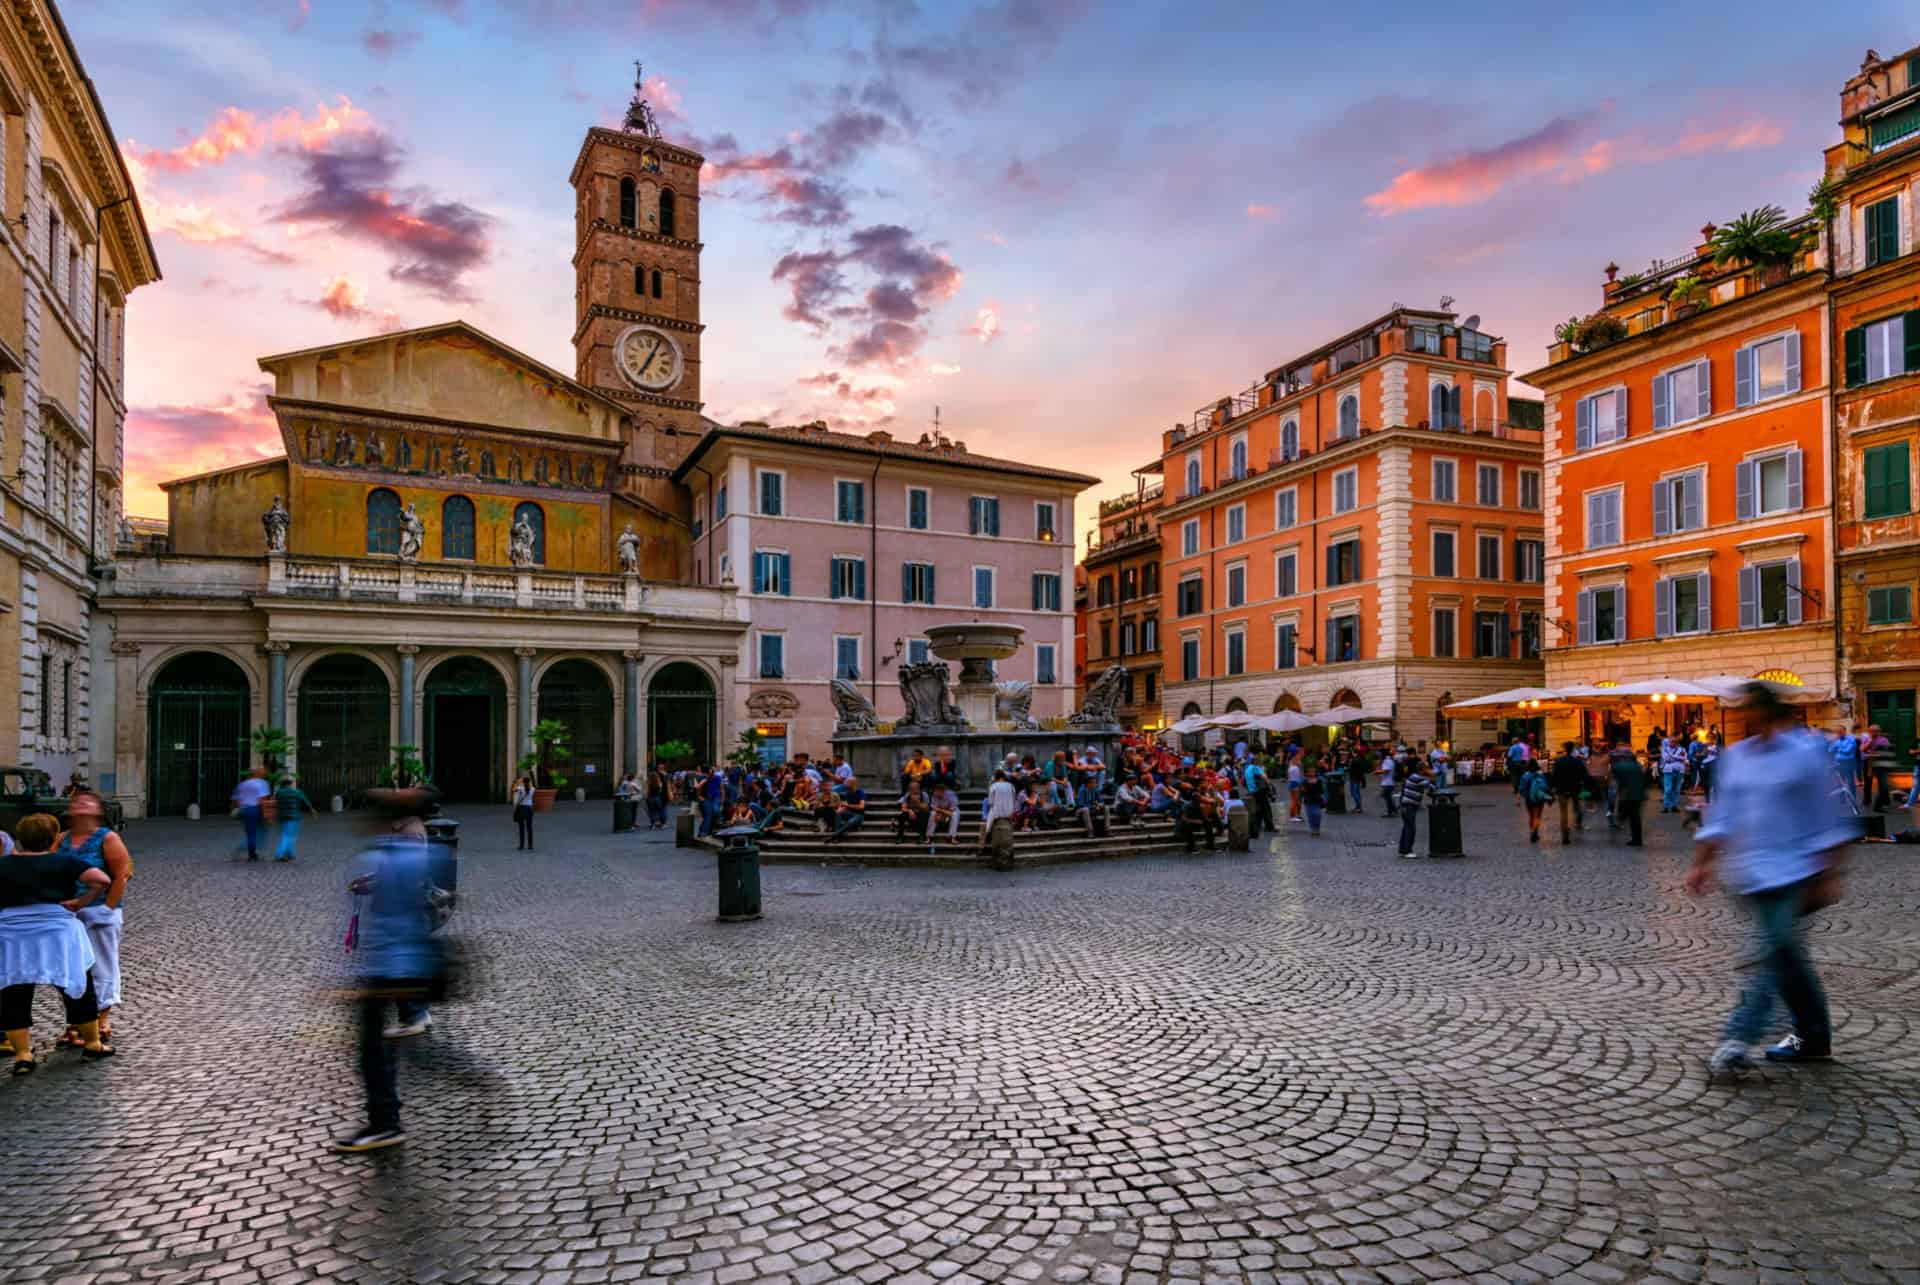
(1538, 790)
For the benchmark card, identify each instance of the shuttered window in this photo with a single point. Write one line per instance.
(1883, 231)
(1887, 491)
(1893, 129)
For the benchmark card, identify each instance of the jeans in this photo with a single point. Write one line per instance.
(411, 1011)
(1851, 785)
(1570, 816)
(376, 1065)
(1358, 790)
(1409, 823)
(250, 822)
(1779, 967)
(656, 812)
(289, 838)
(710, 816)
(1670, 789)
(1629, 811)
(851, 819)
(1262, 807)
(1314, 811)
(523, 823)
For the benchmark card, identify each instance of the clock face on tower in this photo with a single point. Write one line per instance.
(649, 358)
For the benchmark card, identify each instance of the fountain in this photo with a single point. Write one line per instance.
(981, 722)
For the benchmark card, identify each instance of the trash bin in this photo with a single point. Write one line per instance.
(1336, 792)
(1238, 836)
(739, 865)
(1443, 824)
(443, 852)
(625, 813)
(683, 827)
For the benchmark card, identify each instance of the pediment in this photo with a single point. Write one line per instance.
(450, 373)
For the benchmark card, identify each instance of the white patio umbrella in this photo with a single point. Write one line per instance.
(1285, 720)
(1349, 714)
(1521, 698)
(1231, 719)
(1185, 727)
(1639, 692)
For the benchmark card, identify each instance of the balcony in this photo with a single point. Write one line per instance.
(1122, 502)
(1656, 309)
(371, 580)
(1121, 544)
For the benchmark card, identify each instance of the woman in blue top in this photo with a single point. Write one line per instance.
(89, 840)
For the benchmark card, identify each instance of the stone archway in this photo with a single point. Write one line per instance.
(464, 729)
(342, 746)
(1345, 696)
(682, 706)
(197, 743)
(1237, 706)
(1286, 702)
(576, 692)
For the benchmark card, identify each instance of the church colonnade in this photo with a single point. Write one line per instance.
(184, 737)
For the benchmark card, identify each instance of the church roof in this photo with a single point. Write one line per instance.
(928, 450)
(511, 353)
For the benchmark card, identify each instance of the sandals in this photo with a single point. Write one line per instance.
(70, 1039)
(24, 1065)
(94, 1055)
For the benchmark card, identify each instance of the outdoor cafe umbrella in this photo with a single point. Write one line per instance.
(1285, 720)
(1233, 718)
(1185, 727)
(1645, 691)
(1728, 689)
(1348, 714)
(1518, 698)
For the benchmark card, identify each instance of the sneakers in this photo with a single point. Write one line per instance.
(1409, 856)
(1795, 1049)
(371, 1139)
(406, 1031)
(1731, 1058)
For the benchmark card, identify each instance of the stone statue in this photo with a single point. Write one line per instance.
(275, 520)
(375, 452)
(413, 534)
(856, 711)
(126, 534)
(513, 467)
(1013, 703)
(486, 463)
(343, 444)
(405, 454)
(316, 443)
(629, 547)
(1102, 702)
(461, 457)
(566, 470)
(540, 471)
(520, 542)
(923, 688)
(433, 458)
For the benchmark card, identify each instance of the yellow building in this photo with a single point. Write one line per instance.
(73, 245)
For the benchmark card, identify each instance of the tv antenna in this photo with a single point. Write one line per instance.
(640, 118)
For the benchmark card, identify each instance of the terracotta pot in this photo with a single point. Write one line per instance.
(543, 800)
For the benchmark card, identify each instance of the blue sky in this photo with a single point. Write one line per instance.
(1097, 218)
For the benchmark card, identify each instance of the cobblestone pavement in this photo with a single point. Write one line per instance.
(1310, 1063)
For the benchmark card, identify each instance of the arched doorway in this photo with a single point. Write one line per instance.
(1345, 696)
(576, 692)
(465, 721)
(342, 745)
(681, 707)
(196, 733)
(1286, 701)
(1236, 706)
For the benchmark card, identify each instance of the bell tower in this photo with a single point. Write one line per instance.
(636, 265)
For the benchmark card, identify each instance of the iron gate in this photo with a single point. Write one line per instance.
(197, 747)
(343, 742)
(577, 694)
(681, 707)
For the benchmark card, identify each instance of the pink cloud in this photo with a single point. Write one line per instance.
(166, 442)
(341, 297)
(986, 323)
(1560, 150)
(235, 131)
(1257, 211)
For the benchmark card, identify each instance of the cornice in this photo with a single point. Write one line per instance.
(634, 234)
(651, 399)
(596, 310)
(330, 413)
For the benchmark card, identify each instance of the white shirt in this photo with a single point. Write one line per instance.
(844, 772)
(1000, 801)
(250, 791)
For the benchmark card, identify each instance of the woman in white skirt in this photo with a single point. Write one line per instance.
(88, 838)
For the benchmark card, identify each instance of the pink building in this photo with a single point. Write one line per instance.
(845, 548)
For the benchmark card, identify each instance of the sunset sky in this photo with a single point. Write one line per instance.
(1066, 224)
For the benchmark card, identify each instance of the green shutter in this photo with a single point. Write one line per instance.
(1912, 356)
(1883, 231)
(1887, 492)
(1895, 128)
(1856, 345)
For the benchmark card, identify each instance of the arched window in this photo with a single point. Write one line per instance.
(656, 283)
(629, 205)
(1239, 458)
(1438, 416)
(1290, 440)
(640, 281)
(383, 521)
(456, 527)
(1349, 416)
(666, 213)
(1236, 706)
(537, 519)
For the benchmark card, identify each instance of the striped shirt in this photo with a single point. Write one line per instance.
(1413, 790)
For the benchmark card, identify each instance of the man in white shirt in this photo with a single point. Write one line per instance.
(247, 797)
(1000, 803)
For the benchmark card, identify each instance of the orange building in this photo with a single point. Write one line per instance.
(1689, 527)
(1121, 620)
(1363, 526)
(1873, 175)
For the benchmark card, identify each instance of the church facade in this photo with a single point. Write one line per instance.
(458, 543)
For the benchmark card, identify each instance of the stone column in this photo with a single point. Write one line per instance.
(725, 726)
(525, 655)
(130, 747)
(630, 727)
(407, 652)
(277, 684)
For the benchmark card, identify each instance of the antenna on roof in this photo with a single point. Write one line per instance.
(1471, 323)
(640, 118)
(1446, 303)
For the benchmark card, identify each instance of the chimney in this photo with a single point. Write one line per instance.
(1706, 239)
(880, 437)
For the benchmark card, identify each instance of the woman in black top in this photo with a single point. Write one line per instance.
(657, 789)
(42, 943)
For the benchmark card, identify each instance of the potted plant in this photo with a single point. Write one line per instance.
(1823, 199)
(1596, 331)
(274, 747)
(551, 738)
(673, 755)
(746, 755)
(405, 770)
(1688, 296)
(1761, 238)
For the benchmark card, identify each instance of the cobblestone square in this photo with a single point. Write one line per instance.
(1314, 1062)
